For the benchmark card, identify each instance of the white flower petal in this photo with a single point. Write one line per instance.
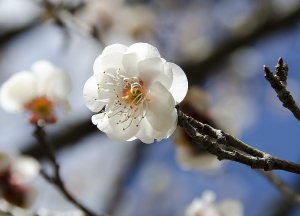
(164, 135)
(168, 69)
(146, 132)
(114, 48)
(52, 82)
(90, 93)
(180, 84)
(44, 73)
(112, 61)
(131, 139)
(62, 85)
(115, 131)
(130, 63)
(144, 50)
(17, 91)
(97, 118)
(97, 67)
(151, 70)
(161, 112)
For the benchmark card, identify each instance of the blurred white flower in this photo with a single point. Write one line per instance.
(188, 154)
(99, 13)
(205, 206)
(139, 90)
(15, 173)
(37, 91)
(141, 25)
(107, 18)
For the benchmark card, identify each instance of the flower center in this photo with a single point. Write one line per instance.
(41, 108)
(130, 101)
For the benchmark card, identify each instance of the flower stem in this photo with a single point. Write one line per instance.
(41, 136)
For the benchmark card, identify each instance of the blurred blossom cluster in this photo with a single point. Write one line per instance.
(16, 172)
(206, 206)
(107, 17)
(37, 91)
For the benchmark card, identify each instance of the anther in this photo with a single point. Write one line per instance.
(103, 71)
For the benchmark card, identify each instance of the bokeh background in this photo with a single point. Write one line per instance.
(221, 45)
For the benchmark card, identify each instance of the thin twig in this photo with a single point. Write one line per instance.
(64, 17)
(41, 135)
(247, 155)
(288, 192)
(284, 96)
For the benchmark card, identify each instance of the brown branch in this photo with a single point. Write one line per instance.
(276, 82)
(69, 136)
(41, 135)
(246, 154)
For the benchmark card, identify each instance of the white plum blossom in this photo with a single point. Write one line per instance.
(139, 90)
(37, 91)
(205, 206)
